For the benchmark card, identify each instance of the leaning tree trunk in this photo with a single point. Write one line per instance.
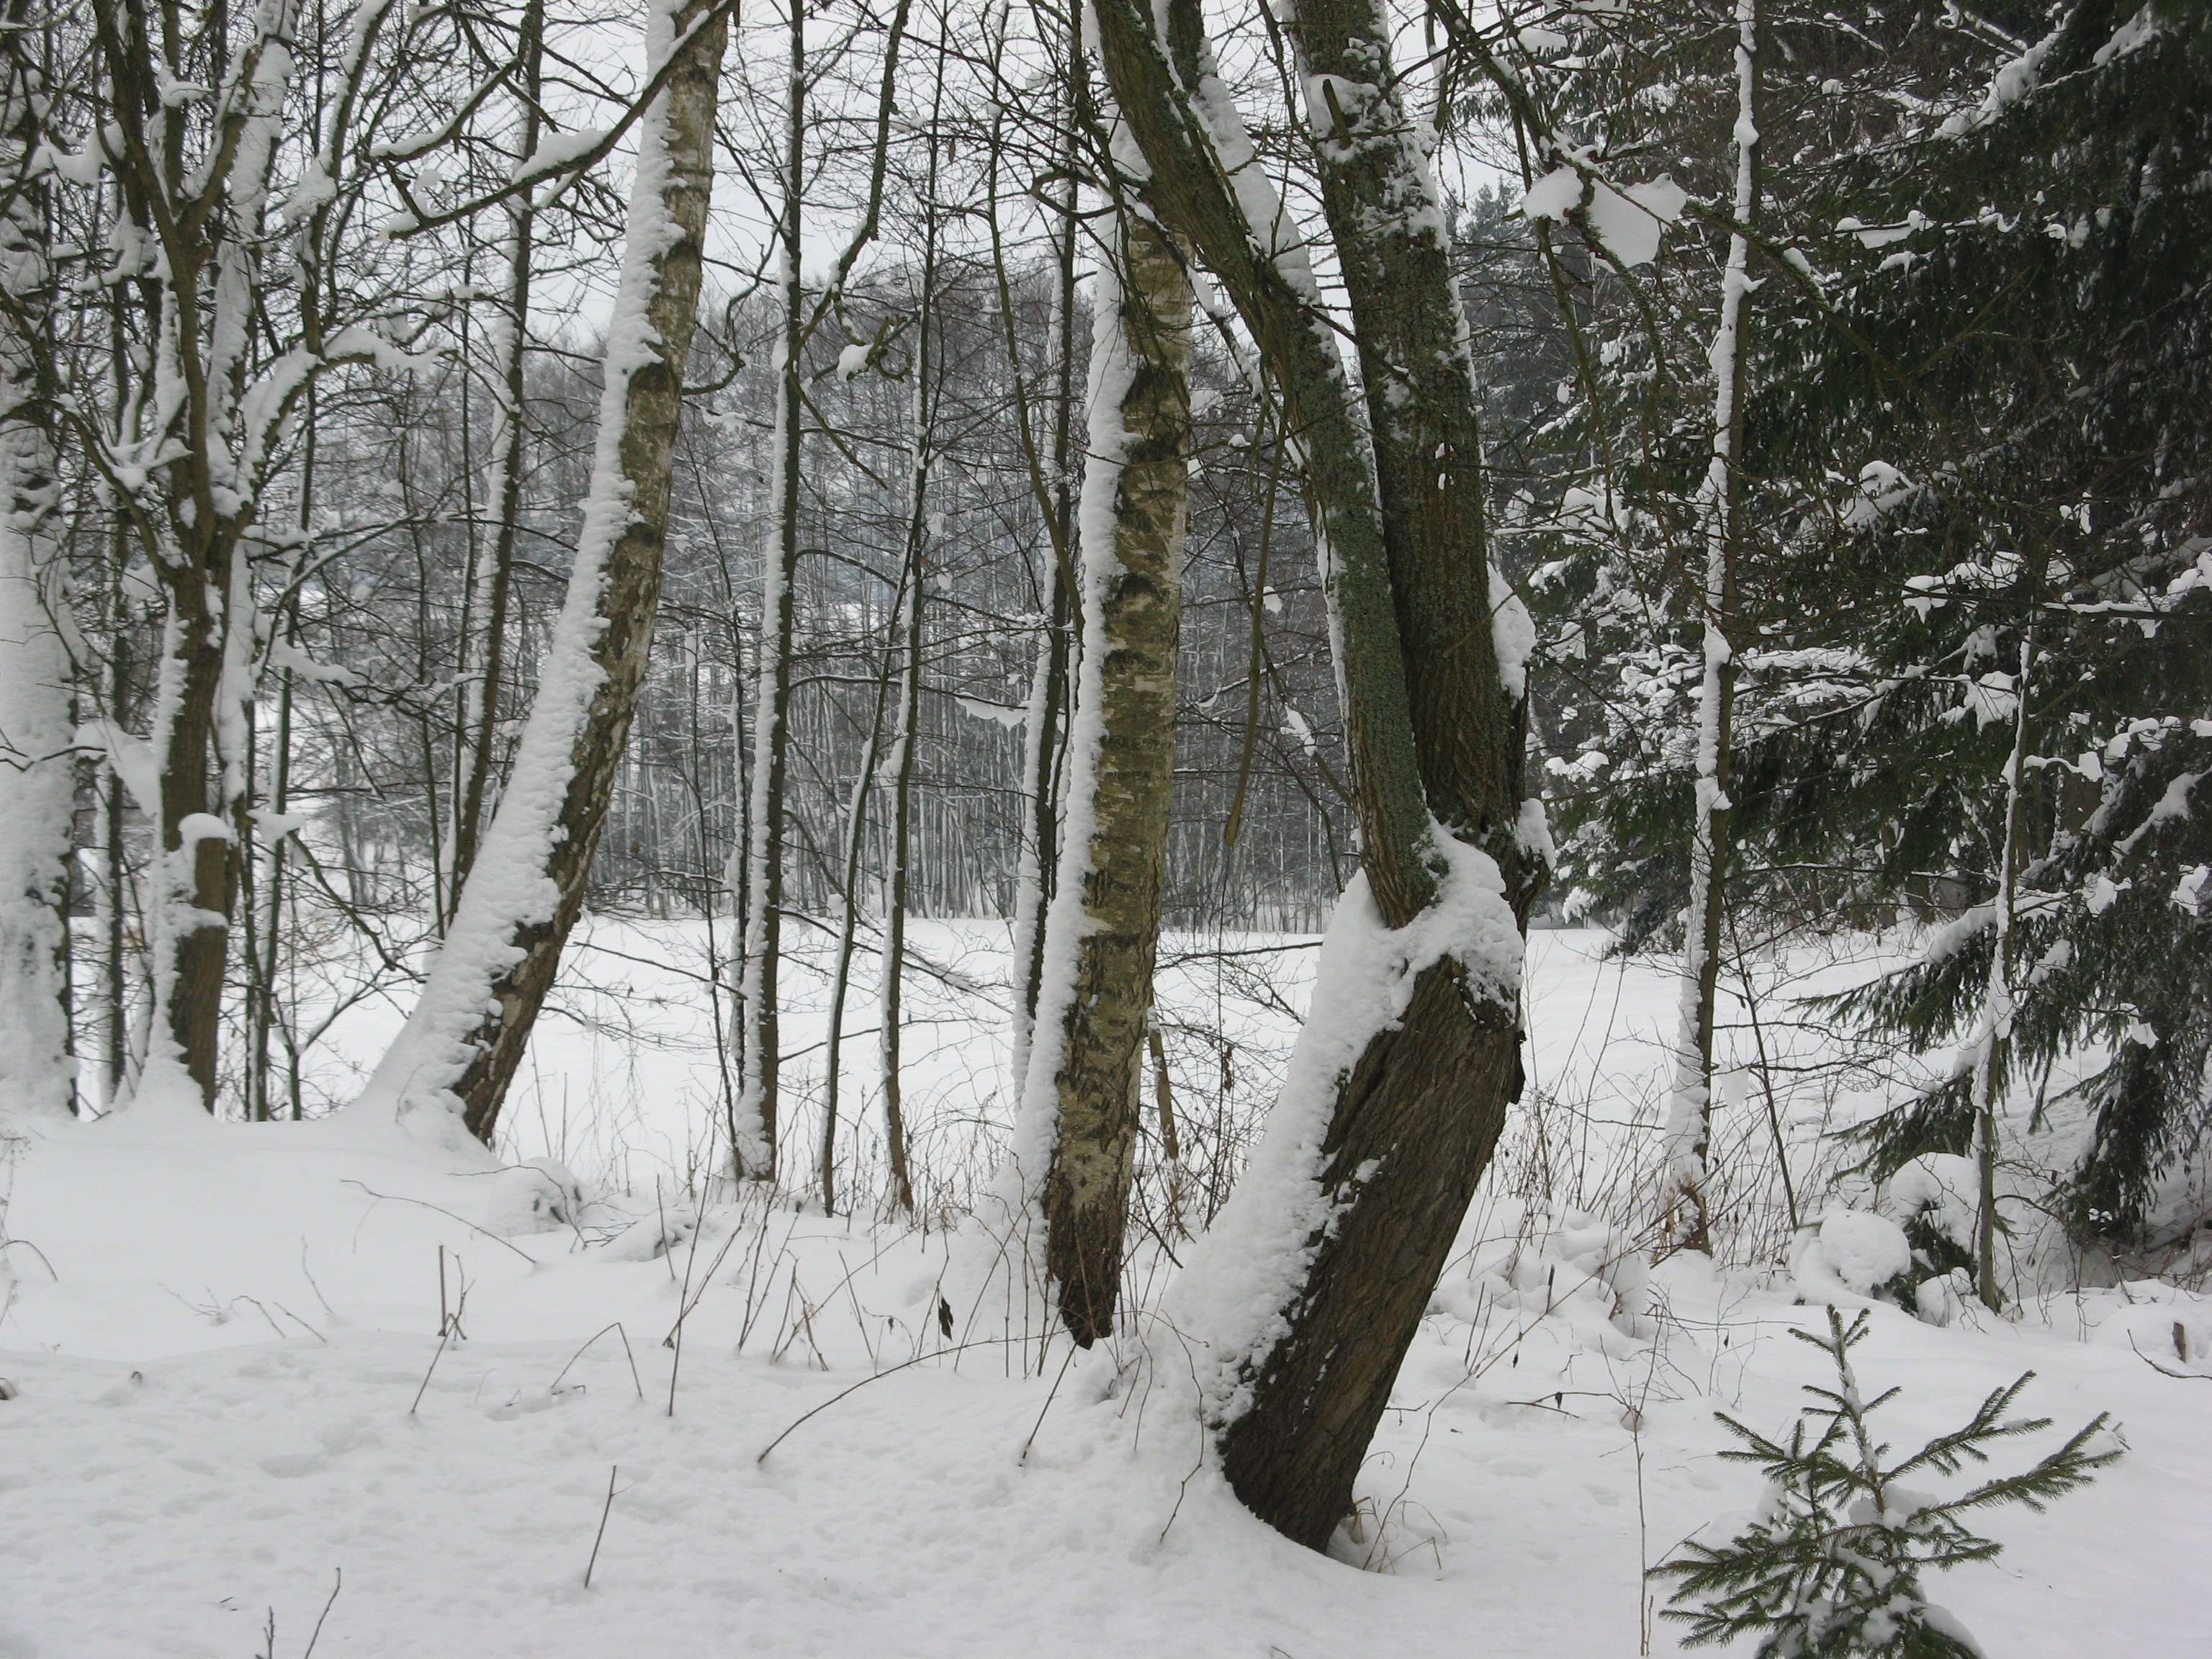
(1080, 1105)
(37, 777)
(1320, 1267)
(1686, 1220)
(526, 888)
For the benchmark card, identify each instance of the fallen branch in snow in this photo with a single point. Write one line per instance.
(579, 1354)
(441, 1210)
(2163, 1370)
(984, 1342)
(8, 1243)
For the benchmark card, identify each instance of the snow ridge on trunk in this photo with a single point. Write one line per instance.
(510, 888)
(1113, 369)
(1233, 1303)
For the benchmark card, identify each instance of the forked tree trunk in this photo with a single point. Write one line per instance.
(198, 303)
(527, 887)
(1086, 1061)
(1330, 1248)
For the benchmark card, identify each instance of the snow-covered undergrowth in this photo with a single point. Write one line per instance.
(246, 1360)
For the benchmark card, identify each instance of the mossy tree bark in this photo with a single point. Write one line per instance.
(629, 599)
(1134, 515)
(1436, 735)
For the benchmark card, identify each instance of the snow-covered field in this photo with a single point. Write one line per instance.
(266, 1370)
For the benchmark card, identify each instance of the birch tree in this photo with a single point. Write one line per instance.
(1053, 480)
(492, 580)
(461, 1045)
(1080, 1103)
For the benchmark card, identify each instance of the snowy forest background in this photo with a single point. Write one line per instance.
(568, 590)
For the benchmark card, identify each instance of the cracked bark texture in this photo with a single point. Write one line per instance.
(1435, 735)
(629, 599)
(1135, 630)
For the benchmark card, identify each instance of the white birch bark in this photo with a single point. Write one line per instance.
(1079, 1116)
(1041, 713)
(512, 890)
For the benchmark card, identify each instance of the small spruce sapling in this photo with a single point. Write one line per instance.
(1830, 1566)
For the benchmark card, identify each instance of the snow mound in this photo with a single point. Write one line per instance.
(1855, 1251)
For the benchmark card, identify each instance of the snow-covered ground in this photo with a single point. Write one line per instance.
(230, 1388)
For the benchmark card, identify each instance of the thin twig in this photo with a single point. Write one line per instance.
(337, 1576)
(435, 1358)
(442, 1211)
(1050, 1394)
(982, 1342)
(2178, 1377)
(579, 1354)
(9, 1244)
(606, 1509)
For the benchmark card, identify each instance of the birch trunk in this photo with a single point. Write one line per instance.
(840, 977)
(37, 761)
(1322, 1265)
(467, 1034)
(1685, 1220)
(754, 1153)
(1080, 1104)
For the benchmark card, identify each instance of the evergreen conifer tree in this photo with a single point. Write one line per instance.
(1830, 1566)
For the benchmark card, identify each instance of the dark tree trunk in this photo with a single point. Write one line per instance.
(1435, 735)
(1426, 1102)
